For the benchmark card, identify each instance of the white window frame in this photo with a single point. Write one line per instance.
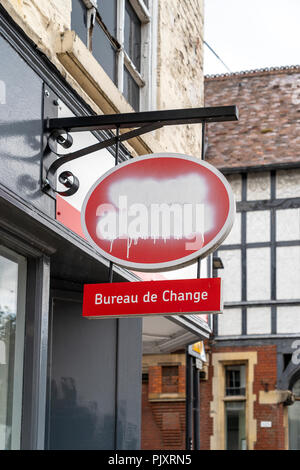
(146, 78)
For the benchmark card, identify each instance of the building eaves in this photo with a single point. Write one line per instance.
(255, 72)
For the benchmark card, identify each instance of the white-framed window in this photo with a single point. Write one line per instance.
(121, 35)
(235, 407)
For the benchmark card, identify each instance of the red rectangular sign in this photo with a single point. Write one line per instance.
(127, 299)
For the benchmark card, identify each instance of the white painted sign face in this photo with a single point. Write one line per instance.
(158, 212)
(266, 424)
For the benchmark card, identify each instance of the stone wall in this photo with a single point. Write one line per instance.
(41, 20)
(180, 70)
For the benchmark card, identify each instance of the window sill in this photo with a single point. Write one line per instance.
(92, 79)
(166, 397)
(235, 398)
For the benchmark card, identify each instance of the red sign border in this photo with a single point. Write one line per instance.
(180, 262)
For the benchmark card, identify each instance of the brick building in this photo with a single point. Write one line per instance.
(254, 351)
(253, 367)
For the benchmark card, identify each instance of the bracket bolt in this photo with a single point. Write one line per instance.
(47, 93)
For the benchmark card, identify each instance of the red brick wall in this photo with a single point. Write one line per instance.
(265, 379)
(163, 422)
(268, 129)
(151, 437)
(265, 375)
(206, 422)
(155, 379)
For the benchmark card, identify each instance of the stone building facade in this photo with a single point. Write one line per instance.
(69, 58)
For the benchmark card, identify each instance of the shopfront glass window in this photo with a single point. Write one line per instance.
(12, 305)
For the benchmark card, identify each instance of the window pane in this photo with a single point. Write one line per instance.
(235, 379)
(78, 19)
(288, 272)
(294, 420)
(258, 186)
(131, 90)
(258, 320)
(288, 224)
(294, 426)
(230, 322)
(132, 35)
(288, 319)
(258, 226)
(108, 12)
(231, 274)
(288, 183)
(235, 425)
(12, 303)
(258, 274)
(169, 379)
(296, 389)
(104, 52)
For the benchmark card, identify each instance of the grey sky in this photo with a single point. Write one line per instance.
(251, 34)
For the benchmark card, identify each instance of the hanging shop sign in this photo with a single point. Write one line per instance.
(158, 212)
(127, 299)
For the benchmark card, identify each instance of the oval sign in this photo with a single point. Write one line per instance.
(158, 212)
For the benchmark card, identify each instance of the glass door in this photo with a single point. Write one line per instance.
(12, 320)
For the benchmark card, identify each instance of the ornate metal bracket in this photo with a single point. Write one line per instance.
(58, 131)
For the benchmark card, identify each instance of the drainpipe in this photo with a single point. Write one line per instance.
(196, 377)
(189, 402)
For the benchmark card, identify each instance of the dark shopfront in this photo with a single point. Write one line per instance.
(65, 382)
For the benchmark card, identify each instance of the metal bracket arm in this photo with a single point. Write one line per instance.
(58, 134)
